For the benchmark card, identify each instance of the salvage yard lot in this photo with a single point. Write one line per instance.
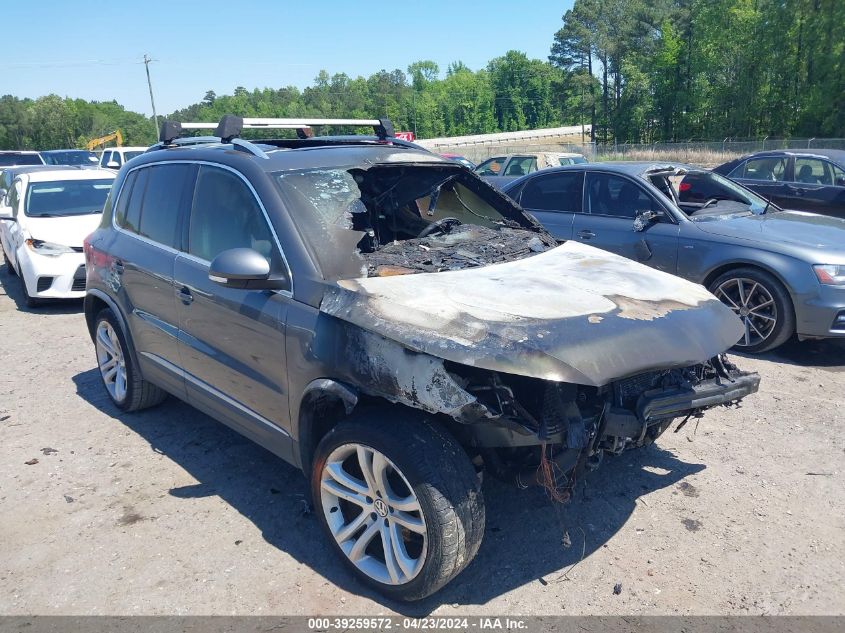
(169, 512)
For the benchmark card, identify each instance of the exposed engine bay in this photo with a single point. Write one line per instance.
(544, 433)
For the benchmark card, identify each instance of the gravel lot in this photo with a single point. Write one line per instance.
(169, 512)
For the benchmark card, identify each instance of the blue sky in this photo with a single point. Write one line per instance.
(93, 50)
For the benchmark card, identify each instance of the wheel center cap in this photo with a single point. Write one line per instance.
(744, 311)
(381, 507)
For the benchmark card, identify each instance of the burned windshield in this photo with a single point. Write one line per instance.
(406, 218)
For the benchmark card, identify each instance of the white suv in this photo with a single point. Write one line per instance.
(44, 218)
(115, 157)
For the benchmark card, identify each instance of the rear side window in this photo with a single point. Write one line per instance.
(225, 215)
(163, 199)
(151, 200)
(554, 192)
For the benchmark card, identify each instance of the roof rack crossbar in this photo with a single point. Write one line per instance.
(230, 127)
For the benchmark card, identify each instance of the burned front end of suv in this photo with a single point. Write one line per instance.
(445, 297)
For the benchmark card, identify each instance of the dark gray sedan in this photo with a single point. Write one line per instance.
(782, 272)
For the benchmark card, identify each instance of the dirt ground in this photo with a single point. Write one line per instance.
(169, 512)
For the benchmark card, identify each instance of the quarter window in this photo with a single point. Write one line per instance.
(132, 215)
(123, 199)
(612, 195)
(555, 192)
(225, 215)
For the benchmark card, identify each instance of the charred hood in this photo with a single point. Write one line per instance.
(571, 314)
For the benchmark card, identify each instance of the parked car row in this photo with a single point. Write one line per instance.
(110, 158)
(384, 319)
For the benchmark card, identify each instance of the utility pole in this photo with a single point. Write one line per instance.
(147, 61)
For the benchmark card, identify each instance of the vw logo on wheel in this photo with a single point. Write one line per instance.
(381, 507)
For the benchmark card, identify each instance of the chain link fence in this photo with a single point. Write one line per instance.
(480, 153)
(709, 153)
(704, 153)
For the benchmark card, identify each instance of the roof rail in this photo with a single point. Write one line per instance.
(230, 127)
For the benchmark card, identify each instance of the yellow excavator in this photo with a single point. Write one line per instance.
(115, 136)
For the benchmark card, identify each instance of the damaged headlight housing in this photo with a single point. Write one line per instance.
(830, 274)
(50, 249)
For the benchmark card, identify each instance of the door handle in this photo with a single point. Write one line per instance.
(118, 267)
(185, 295)
(798, 191)
(586, 234)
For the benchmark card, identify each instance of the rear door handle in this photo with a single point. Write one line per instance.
(798, 191)
(586, 234)
(185, 295)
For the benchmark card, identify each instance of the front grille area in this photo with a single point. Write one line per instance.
(44, 283)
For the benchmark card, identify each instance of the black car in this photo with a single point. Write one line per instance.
(384, 319)
(800, 180)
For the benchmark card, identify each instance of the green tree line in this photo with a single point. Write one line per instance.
(635, 70)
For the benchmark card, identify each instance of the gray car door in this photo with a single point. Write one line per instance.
(148, 213)
(232, 341)
(554, 199)
(611, 202)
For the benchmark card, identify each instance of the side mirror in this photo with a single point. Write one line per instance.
(6, 213)
(245, 269)
(840, 182)
(112, 164)
(646, 217)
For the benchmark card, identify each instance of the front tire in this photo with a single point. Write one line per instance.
(119, 373)
(762, 303)
(399, 500)
(31, 302)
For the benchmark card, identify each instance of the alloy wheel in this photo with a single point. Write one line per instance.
(373, 514)
(754, 304)
(111, 361)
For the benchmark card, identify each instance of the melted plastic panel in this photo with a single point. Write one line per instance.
(572, 314)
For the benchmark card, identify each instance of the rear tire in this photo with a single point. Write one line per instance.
(762, 303)
(118, 371)
(413, 463)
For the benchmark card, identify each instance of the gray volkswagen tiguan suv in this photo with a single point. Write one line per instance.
(383, 319)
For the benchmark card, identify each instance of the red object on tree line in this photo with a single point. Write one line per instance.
(405, 136)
